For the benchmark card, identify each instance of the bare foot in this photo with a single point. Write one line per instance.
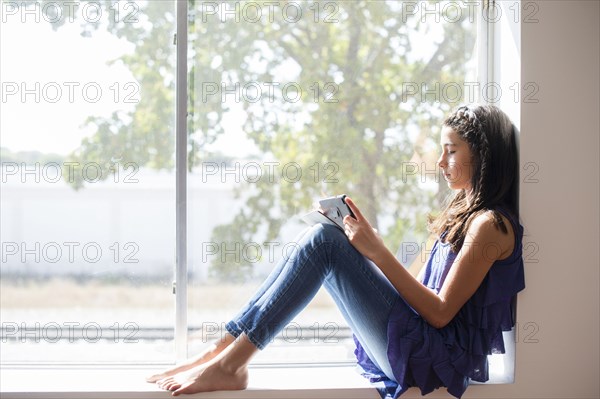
(228, 371)
(205, 356)
(172, 371)
(206, 378)
(175, 381)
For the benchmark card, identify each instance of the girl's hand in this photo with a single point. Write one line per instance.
(361, 234)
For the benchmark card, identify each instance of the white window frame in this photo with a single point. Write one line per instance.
(181, 270)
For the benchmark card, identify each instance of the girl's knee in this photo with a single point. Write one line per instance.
(325, 233)
(320, 238)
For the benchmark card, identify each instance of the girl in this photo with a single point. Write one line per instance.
(431, 331)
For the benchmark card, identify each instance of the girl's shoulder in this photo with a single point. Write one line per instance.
(496, 229)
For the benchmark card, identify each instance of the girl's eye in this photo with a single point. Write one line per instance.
(451, 152)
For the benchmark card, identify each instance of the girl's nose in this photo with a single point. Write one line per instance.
(441, 162)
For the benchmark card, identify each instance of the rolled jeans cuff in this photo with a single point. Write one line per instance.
(236, 329)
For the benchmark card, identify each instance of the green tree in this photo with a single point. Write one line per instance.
(360, 56)
(350, 132)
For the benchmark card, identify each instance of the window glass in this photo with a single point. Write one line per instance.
(87, 202)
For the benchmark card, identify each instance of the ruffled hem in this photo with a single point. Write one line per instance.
(429, 358)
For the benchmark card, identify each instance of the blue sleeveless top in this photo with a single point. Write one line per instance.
(429, 358)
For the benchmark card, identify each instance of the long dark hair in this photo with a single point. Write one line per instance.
(491, 137)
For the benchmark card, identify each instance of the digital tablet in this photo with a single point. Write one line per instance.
(332, 211)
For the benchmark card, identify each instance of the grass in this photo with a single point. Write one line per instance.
(68, 292)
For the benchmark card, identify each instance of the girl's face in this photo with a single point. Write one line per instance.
(456, 161)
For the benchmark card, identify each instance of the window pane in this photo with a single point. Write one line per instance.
(293, 101)
(88, 189)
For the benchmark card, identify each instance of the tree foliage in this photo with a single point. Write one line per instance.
(354, 130)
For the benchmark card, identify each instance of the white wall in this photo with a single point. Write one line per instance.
(560, 134)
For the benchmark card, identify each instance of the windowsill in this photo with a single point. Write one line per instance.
(124, 382)
(266, 381)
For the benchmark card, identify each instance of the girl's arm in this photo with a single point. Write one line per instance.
(483, 245)
(417, 267)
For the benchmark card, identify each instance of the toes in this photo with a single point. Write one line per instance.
(183, 389)
(173, 387)
(165, 382)
(170, 385)
(154, 378)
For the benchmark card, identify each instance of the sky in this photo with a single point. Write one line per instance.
(55, 66)
(64, 63)
(39, 64)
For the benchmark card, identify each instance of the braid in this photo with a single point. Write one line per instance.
(479, 143)
(473, 124)
(483, 180)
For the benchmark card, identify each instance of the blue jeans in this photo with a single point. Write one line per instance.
(323, 256)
